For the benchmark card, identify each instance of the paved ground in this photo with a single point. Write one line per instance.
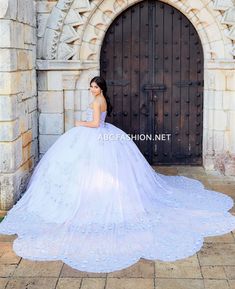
(213, 267)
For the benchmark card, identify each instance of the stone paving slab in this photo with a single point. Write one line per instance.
(142, 269)
(231, 284)
(213, 267)
(212, 271)
(27, 268)
(69, 272)
(74, 283)
(186, 269)
(179, 283)
(130, 283)
(31, 283)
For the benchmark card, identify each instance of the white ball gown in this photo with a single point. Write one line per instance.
(96, 204)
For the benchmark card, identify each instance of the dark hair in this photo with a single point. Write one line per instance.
(99, 80)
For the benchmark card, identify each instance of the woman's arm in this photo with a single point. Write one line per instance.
(96, 117)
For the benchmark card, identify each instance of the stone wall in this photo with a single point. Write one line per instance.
(219, 119)
(71, 36)
(18, 98)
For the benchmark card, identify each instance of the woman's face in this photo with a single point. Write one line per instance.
(95, 89)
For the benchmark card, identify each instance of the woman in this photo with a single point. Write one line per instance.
(96, 203)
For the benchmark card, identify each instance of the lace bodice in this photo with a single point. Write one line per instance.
(89, 116)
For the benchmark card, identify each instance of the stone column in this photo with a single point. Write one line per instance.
(58, 98)
(18, 98)
(219, 108)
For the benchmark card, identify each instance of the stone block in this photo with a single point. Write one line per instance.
(84, 99)
(12, 34)
(26, 83)
(45, 6)
(8, 9)
(89, 51)
(42, 21)
(218, 99)
(34, 121)
(7, 194)
(54, 80)
(35, 149)
(9, 130)
(11, 155)
(46, 141)
(77, 100)
(51, 123)
(5, 31)
(50, 101)
(69, 99)
(232, 135)
(220, 120)
(32, 103)
(69, 119)
(26, 12)
(55, 21)
(229, 100)
(217, 49)
(218, 141)
(10, 82)
(209, 119)
(25, 154)
(27, 137)
(140, 283)
(24, 59)
(10, 59)
(23, 116)
(205, 15)
(34, 90)
(92, 32)
(213, 32)
(220, 80)
(42, 80)
(8, 107)
(230, 81)
(30, 35)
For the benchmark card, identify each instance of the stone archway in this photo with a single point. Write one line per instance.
(60, 40)
(67, 49)
(152, 60)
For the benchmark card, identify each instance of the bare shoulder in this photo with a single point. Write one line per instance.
(102, 101)
(99, 102)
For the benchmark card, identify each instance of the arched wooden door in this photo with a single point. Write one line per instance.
(152, 60)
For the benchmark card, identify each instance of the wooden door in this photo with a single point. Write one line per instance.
(152, 60)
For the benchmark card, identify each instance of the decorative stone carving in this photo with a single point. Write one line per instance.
(61, 29)
(68, 18)
(227, 8)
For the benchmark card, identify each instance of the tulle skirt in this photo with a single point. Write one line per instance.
(95, 203)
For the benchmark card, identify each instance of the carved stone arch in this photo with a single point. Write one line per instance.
(73, 22)
(227, 10)
(206, 20)
(63, 28)
(78, 36)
